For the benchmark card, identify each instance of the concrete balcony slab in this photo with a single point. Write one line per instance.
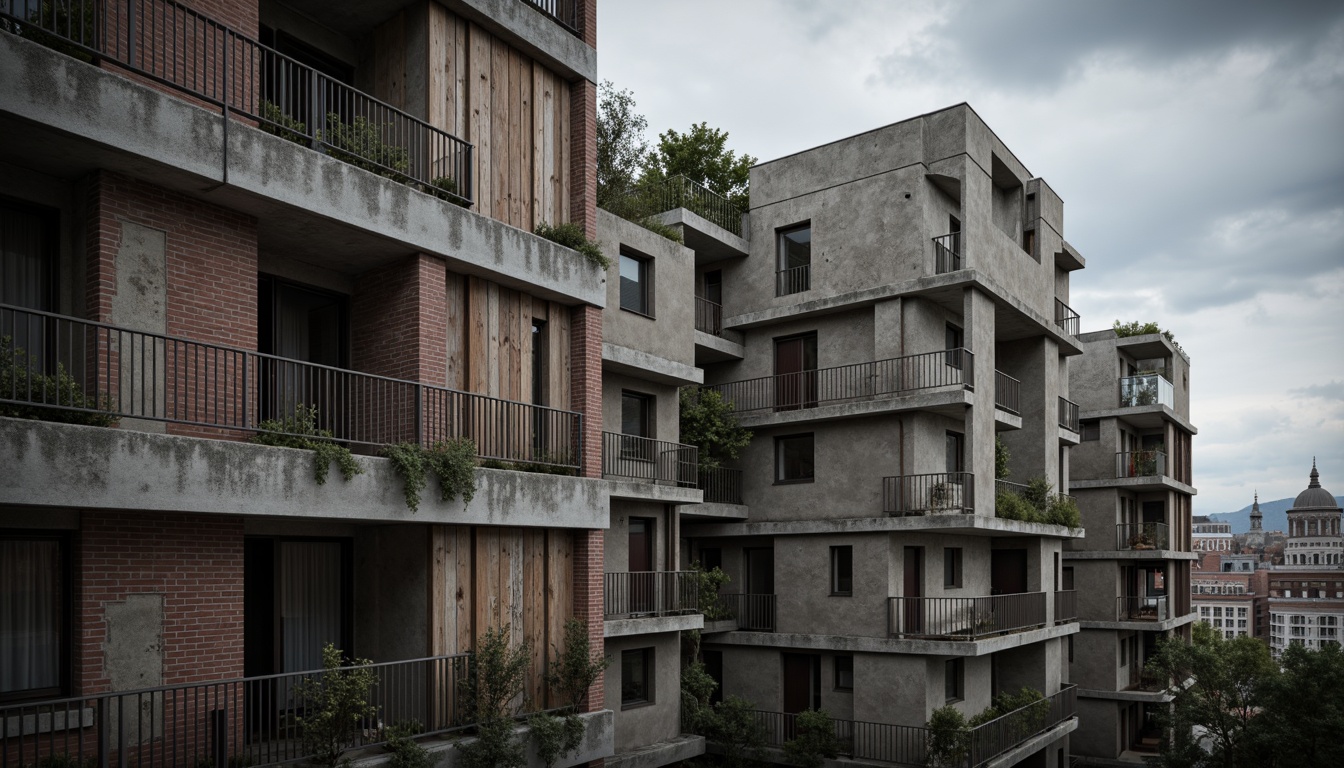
(659, 754)
(652, 625)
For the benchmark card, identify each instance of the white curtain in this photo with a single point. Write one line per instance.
(310, 601)
(30, 615)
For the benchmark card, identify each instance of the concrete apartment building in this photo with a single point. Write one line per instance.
(1131, 475)
(214, 215)
(897, 300)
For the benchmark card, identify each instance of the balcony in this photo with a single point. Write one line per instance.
(650, 593)
(793, 280)
(964, 618)
(682, 192)
(1068, 415)
(708, 317)
(566, 13)
(1141, 536)
(62, 365)
(1068, 321)
(175, 46)
(654, 461)
(721, 485)
(1146, 389)
(1141, 678)
(939, 493)
(1007, 393)
(947, 253)
(1066, 606)
(850, 383)
(907, 745)
(751, 613)
(1150, 463)
(1150, 608)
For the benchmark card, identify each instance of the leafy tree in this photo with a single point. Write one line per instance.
(815, 740)
(948, 739)
(708, 422)
(702, 155)
(622, 150)
(1304, 708)
(336, 706)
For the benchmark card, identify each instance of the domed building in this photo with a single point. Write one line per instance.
(1306, 593)
(1314, 539)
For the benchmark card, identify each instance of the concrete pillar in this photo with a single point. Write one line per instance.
(888, 335)
(978, 320)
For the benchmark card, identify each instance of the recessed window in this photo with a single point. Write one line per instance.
(636, 414)
(27, 256)
(1090, 431)
(956, 452)
(952, 567)
(33, 606)
(636, 677)
(842, 570)
(954, 679)
(1029, 241)
(844, 673)
(793, 459)
(954, 339)
(794, 262)
(636, 282)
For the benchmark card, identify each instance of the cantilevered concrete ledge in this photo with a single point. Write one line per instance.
(710, 241)
(69, 466)
(1034, 744)
(856, 644)
(719, 348)
(1006, 420)
(310, 205)
(1144, 696)
(683, 747)
(531, 32)
(1143, 415)
(951, 399)
(974, 525)
(652, 625)
(1130, 554)
(715, 511)
(643, 490)
(634, 362)
(1151, 483)
(599, 740)
(1145, 626)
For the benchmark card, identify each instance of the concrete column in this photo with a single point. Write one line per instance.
(1034, 447)
(888, 333)
(978, 320)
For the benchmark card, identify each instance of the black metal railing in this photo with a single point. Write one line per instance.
(55, 363)
(1066, 606)
(947, 253)
(1001, 734)
(682, 192)
(1142, 536)
(722, 485)
(754, 613)
(1067, 320)
(644, 593)
(965, 618)
(1146, 389)
(566, 13)
(793, 280)
(1147, 608)
(173, 45)
(1068, 414)
(244, 721)
(861, 381)
(643, 458)
(931, 494)
(708, 316)
(1150, 463)
(1007, 393)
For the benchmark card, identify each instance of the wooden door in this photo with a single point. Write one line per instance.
(802, 688)
(913, 613)
(642, 587)
(795, 372)
(1008, 572)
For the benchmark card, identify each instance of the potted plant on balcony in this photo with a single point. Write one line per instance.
(1142, 540)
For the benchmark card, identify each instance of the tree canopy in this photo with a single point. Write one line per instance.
(702, 155)
(622, 151)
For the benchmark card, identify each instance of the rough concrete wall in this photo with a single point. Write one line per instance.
(670, 331)
(1098, 733)
(978, 311)
(159, 597)
(391, 584)
(804, 601)
(617, 538)
(754, 674)
(894, 688)
(666, 407)
(659, 720)
(842, 339)
(1093, 376)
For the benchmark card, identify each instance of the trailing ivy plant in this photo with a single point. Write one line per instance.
(571, 236)
(815, 740)
(709, 423)
(492, 691)
(48, 397)
(335, 706)
(452, 461)
(300, 431)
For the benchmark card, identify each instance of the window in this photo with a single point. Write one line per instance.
(636, 282)
(952, 566)
(27, 256)
(953, 341)
(794, 260)
(33, 615)
(954, 679)
(636, 414)
(956, 452)
(842, 570)
(636, 677)
(1091, 431)
(793, 459)
(711, 558)
(1029, 241)
(844, 673)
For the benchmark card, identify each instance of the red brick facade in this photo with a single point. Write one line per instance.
(398, 322)
(589, 565)
(585, 374)
(583, 156)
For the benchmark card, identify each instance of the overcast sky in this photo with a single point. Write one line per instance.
(1198, 146)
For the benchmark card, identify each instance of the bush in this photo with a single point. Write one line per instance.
(815, 741)
(737, 731)
(277, 122)
(452, 461)
(300, 431)
(710, 583)
(571, 236)
(1038, 503)
(336, 706)
(1064, 511)
(492, 691)
(74, 21)
(949, 738)
(360, 143)
(1010, 506)
(697, 687)
(574, 670)
(1001, 458)
(406, 753)
(708, 422)
(655, 226)
(445, 188)
(555, 736)
(47, 396)
(496, 746)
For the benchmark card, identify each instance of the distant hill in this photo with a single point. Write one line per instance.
(1275, 515)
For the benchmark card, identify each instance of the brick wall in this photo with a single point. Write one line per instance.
(588, 602)
(398, 321)
(583, 156)
(195, 562)
(585, 373)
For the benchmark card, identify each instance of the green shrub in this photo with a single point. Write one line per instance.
(492, 692)
(655, 226)
(555, 736)
(452, 461)
(574, 669)
(360, 143)
(496, 746)
(300, 431)
(815, 741)
(709, 584)
(445, 188)
(1009, 505)
(1001, 458)
(948, 739)
(47, 396)
(74, 22)
(1037, 503)
(1064, 511)
(697, 687)
(406, 753)
(571, 236)
(708, 422)
(335, 706)
(737, 731)
(278, 122)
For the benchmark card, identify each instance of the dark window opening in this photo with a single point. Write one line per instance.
(844, 673)
(842, 570)
(636, 677)
(34, 615)
(794, 260)
(794, 459)
(952, 567)
(636, 280)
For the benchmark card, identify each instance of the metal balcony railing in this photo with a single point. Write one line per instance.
(682, 192)
(650, 593)
(947, 253)
(1068, 415)
(708, 316)
(793, 280)
(242, 721)
(1066, 606)
(566, 13)
(722, 485)
(965, 618)
(1007, 393)
(1146, 389)
(1142, 536)
(643, 458)
(173, 45)
(861, 381)
(1151, 463)
(1150, 608)
(1001, 734)
(931, 494)
(1067, 320)
(753, 613)
(55, 363)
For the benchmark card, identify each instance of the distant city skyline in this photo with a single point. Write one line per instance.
(1198, 140)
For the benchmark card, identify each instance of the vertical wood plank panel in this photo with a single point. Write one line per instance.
(536, 193)
(559, 585)
(525, 340)
(562, 161)
(481, 57)
(442, 574)
(516, 103)
(499, 149)
(478, 355)
(492, 338)
(548, 149)
(534, 607)
(389, 61)
(456, 308)
(460, 84)
(559, 359)
(464, 599)
(438, 50)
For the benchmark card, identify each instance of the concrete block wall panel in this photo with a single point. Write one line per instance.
(1099, 587)
(392, 612)
(659, 720)
(975, 562)
(754, 674)
(617, 537)
(1026, 666)
(398, 321)
(1100, 513)
(844, 338)
(1093, 376)
(669, 331)
(805, 603)
(666, 407)
(174, 580)
(1095, 660)
(978, 312)
(1034, 448)
(894, 688)
(1098, 731)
